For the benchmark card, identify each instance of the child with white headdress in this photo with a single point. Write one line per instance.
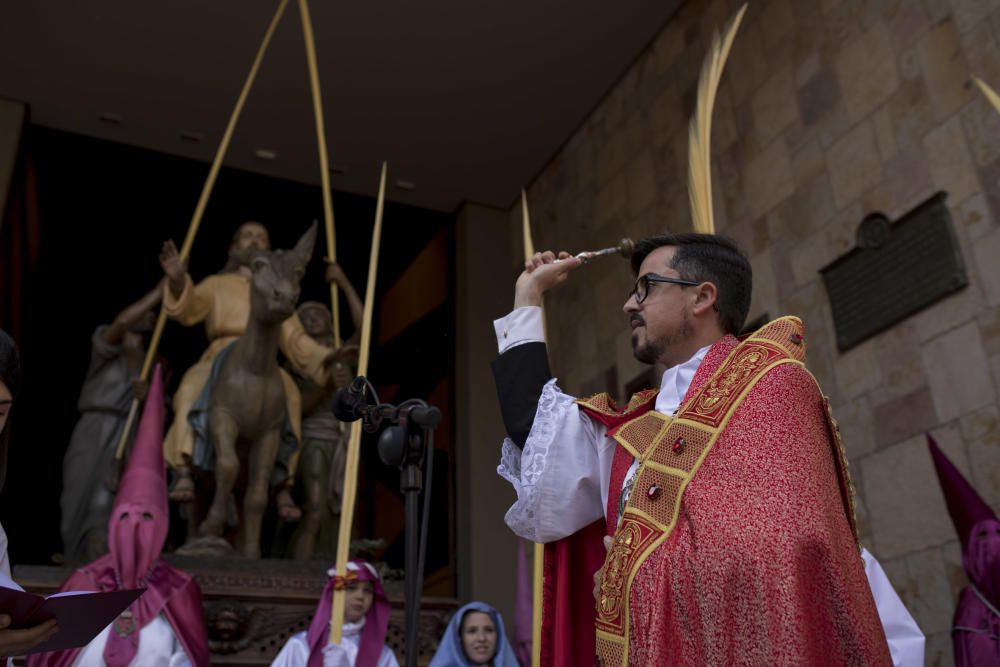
(366, 621)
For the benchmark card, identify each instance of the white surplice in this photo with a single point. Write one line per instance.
(563, 474)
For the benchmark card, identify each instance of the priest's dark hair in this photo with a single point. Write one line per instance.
(10, 375)
(708, 258)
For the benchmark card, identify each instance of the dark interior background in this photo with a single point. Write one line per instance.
(104, 209)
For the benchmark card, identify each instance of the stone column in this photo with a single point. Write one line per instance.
(487, 558)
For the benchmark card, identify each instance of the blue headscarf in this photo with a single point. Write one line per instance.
(450, 653)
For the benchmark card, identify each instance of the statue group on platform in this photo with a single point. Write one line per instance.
(710, 521)
(246, 431)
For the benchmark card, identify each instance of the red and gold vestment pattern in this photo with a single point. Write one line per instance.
(737, 544)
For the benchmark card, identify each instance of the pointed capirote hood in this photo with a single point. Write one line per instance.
(965, 506)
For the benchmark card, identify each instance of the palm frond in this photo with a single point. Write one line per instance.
(700, 131)
(990, 94)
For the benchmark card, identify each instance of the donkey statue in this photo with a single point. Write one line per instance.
(247, 407)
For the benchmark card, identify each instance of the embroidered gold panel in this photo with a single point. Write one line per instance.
(605, 405)
(843, 472)
(641, 433)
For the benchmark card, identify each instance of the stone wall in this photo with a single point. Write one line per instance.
(829, 110)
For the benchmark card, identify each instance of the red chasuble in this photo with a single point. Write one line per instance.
(737, 544)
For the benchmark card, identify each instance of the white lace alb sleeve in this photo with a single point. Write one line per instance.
(561, 477)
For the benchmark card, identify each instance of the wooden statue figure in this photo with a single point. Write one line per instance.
(236, 400)
(319, 478)
(90, 470)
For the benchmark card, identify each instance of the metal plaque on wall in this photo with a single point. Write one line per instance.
(896, 269)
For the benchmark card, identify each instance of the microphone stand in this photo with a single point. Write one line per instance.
(406, 435)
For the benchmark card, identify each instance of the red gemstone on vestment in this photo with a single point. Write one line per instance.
(678, 445)
(796, 338)
(654, 492)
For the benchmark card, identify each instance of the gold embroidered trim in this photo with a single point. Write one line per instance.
(786, 332)
(631, 434)
(843, 467)
(605, 405)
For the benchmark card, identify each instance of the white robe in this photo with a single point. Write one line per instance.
(562, 475)
(4, 560)
(295, 652)
(906, 641)
(158, 647)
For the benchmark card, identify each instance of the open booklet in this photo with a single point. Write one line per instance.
(80, 614)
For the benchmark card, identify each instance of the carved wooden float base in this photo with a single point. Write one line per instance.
(253, 606)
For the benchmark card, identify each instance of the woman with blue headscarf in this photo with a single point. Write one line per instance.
(475, 636)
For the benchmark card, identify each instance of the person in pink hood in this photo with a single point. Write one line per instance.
(165, 626)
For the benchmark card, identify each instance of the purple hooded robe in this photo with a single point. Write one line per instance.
(976, 627)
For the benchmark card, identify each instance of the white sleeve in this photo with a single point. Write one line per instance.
(179, 658)
(388, 658)
(4, 559)
(561, 477)
(522, 325)
(335, 655)
(906, 641)
(295, 652)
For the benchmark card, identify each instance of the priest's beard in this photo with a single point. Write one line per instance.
(651, 351)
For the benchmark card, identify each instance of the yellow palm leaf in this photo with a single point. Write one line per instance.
(700, 132)
(990, 94)
(529, 247)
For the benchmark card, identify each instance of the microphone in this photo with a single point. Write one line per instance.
(349, 403)
(425, 416)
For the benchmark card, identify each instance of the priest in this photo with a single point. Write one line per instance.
(725, 492)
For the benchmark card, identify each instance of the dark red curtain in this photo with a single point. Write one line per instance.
(19, 241)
